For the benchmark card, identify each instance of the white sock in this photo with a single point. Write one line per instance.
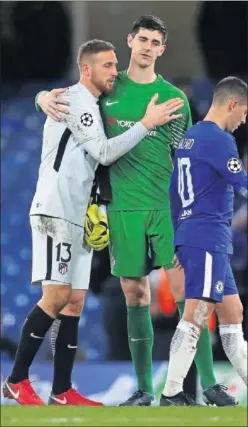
(182, 353)
(235, 347)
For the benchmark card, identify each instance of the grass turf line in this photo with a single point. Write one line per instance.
(122, 416)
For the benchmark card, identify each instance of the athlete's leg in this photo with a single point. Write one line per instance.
(201, 269)
(64, 340)
(45, 268)
(140, 330)
(64, 336)
(204, 355)
(230, 316)
(129, 260)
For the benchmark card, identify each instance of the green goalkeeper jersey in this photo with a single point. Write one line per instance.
(140, 179)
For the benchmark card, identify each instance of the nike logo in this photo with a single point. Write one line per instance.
(72, 346)
(35, 336)
(15, 395)
(62, 401)
(139, 339)
(111, 103)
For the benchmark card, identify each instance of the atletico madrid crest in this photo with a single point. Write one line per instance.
(63, 268)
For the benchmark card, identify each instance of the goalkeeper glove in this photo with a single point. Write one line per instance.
(96, 227)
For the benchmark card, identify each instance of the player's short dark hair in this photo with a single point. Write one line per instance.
(230, 87)
(93, 47)
(150, 22)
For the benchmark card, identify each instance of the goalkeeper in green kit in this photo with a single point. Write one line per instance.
(141, 234)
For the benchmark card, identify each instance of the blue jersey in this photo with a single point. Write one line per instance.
(207, 170)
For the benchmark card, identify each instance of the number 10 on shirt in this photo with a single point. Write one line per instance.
(185, 181)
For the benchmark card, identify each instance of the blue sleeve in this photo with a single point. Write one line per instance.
(175, 201)
(224, 158)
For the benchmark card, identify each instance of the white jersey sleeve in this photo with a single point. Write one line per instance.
(84, 121)
(71, 152)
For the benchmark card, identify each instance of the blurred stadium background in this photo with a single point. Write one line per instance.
(39, 47)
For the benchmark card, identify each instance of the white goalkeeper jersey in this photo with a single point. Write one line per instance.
(71, 152)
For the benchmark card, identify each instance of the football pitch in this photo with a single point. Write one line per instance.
(124, 416)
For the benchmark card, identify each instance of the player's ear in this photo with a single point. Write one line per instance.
(85, 69)
(231, 105)
(163, 48)
(129, 40)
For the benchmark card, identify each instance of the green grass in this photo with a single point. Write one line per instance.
(122, 416)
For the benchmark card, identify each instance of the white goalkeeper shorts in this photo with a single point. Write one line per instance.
(59, 255)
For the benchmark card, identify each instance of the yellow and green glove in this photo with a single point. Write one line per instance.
(96, 227)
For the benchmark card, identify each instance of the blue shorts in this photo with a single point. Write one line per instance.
(207, 274)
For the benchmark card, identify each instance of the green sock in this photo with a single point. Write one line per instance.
(140, 339)
(204, 356)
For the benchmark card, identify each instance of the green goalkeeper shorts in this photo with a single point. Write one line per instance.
(140, 241)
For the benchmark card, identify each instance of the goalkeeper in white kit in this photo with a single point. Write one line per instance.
(61, 259)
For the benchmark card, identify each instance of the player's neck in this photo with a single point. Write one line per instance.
(215, 115)
(91, 88)
(141, 75)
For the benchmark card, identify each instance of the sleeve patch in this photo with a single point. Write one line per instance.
(234, 165)
(86, 119)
